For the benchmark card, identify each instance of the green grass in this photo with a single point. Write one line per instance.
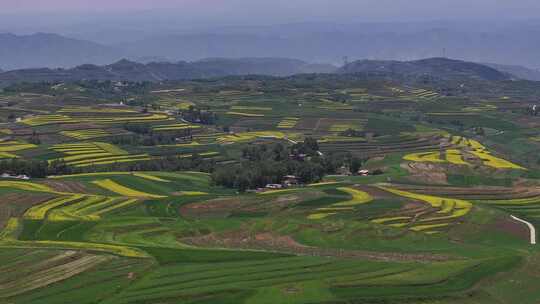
(145, 243)
(478, 180)
(167, 256)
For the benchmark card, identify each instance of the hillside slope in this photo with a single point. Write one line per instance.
(438, 68)
(51, 50)
(517, 70)
(158, 71)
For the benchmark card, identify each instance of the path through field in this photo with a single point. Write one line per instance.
(531, 228)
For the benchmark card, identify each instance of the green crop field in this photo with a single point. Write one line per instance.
(306, 189)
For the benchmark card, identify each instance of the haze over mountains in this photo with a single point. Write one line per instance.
(158, 71)
(438, 69)
(508, 43)
(518, 71)
(51, 50)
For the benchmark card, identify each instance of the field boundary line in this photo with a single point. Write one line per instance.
(531, 228)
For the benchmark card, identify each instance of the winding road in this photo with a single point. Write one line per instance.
(531, 228)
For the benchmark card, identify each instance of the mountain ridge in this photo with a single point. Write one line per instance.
(51, 50)
(517, 70)
(437, 67)
(479, 41)
(157, 71)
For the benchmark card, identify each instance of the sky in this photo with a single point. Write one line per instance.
(79, 17)
(268, 10)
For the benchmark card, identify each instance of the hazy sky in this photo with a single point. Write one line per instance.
(80, 17)
(279, 10)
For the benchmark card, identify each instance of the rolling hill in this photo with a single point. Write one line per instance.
(438, 68)
(158, 71)
(51, 50)
(517, 70)
(441, 69)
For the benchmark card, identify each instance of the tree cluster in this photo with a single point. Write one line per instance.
(145, 136)
(170, 163)
(41, 169)
(196, 115)
(34, 168)
(264, 164)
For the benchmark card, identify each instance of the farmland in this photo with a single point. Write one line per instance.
(95, 153)
(307, 189)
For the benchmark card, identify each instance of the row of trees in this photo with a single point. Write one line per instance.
(41, 169)
(169, 163)
(196, 115)
(145, 136)
(34, 168)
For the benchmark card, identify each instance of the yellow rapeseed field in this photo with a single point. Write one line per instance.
(433, 157)
(26, 186)
(113, 186)
(495, 162)
(11, 228)
(249, 136)
(244, 114)
(358, 197)
(455, 157)
(459, 207)
(39, 212)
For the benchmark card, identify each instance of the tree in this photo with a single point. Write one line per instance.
(311, 143)
(355, 164)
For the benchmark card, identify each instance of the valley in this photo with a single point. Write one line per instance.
(312, 188)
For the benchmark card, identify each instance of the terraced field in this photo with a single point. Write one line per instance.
(288, 123)
(86, 134)
(8, 148)
(250, 136)
(477, 151)
(448, 211)
(316, 189)
(41, 120)
(173, 127)
(88, 227)
(404, 144)
(95, 153)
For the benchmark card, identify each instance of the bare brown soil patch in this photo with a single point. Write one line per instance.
(483, 192)
(228, 205)
(373, 191)
(426, 172)
(373, 148)
(79, 126)
(307, 124)
(259, 123)
(270, 242)
(15, 204)
(50, 271)
(66, 186)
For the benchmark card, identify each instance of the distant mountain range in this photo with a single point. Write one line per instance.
(158, 71)
(502, 43)
(499, 42)
(51, 50)
(516, 70)
(442, 69)
(439, 68)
